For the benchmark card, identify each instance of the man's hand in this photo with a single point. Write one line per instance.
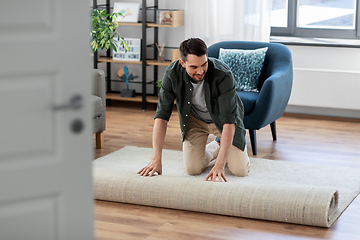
(155, 165)
(216, 172)
(152, 168)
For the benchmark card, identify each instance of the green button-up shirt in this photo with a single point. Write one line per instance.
(221, 99)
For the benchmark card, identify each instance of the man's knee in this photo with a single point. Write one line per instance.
(240, 171)
(239, 162)
(193, 169)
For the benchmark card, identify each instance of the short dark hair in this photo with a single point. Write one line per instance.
(194, 46)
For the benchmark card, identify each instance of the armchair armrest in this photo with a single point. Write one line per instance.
(98, 81)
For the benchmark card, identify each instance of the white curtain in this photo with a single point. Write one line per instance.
(227, 20)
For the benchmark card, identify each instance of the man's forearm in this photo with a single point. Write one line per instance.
(226, 142)
(159, 133)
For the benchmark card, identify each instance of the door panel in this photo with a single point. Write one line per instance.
(29, 97)
(38, 216)
(24, 16)
(45, 167)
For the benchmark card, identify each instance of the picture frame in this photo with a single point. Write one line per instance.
(130, 11)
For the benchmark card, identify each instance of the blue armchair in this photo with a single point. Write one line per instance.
(266, 106)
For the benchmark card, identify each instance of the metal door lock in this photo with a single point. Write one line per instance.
(77, 126)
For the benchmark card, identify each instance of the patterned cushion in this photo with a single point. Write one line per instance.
(246, 66)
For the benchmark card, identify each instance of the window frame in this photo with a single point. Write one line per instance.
(293, 31)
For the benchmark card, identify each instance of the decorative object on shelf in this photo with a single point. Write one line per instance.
(164, 16)
(170, 17)
(129, 11)
(160, 52)
(126, 92)
(175, 55)
(132, 53)
(121, 73)
(103, 31)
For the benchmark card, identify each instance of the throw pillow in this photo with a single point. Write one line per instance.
(245, 65)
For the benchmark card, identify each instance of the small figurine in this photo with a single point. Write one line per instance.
(124, 75)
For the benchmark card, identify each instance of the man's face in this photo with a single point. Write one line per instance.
(196, 67)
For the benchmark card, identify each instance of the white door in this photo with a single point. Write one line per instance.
(45, 149)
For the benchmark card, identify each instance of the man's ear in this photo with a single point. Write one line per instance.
(182, 63)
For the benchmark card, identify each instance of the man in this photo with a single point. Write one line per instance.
(204, 90)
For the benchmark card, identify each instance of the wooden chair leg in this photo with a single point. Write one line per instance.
(99, 140)
(252, 134)
(273, 130)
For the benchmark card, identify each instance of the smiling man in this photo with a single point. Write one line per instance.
(204, 91)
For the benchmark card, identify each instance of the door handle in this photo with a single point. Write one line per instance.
(76, 102)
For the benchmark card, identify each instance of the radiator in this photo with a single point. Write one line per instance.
(326, 89)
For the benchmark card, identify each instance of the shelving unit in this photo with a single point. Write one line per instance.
(145, 61)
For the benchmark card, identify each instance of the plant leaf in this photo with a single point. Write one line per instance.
(103, 30)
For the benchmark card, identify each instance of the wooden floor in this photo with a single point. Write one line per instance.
(307, 139)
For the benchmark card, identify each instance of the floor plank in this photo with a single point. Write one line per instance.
(301, 138)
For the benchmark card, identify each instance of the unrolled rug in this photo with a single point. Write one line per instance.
(274, 190)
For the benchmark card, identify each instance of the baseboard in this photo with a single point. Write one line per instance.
(319, 111)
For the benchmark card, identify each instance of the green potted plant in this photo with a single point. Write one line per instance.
(103, 31)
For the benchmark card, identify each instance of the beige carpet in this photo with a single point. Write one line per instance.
(274, 190)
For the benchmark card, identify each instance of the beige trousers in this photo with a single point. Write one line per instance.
(197, 154)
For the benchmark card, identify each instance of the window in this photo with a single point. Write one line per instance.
(316, 18)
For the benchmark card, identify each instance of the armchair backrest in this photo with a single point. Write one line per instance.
(277, 55)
